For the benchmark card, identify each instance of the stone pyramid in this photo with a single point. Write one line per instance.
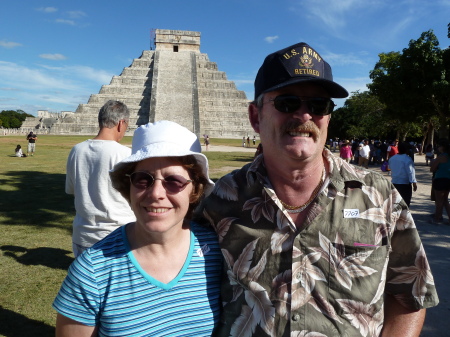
(175, 81)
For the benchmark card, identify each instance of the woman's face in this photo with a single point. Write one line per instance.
(158, 210)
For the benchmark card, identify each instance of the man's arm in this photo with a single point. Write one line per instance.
(400, 321)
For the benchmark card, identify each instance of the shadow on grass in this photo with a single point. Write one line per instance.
(240, 157)
(17, 325)
(35, 199)
(50, 257)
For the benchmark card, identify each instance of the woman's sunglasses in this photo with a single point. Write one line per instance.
(317, 105)
(173, 184)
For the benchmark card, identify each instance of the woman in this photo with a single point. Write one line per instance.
(160, 275)
(346, 151)
(19, 152)
(441, 183)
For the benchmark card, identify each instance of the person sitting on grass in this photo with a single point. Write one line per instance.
(19, 152)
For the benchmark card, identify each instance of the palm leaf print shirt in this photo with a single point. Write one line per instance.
(327, 278)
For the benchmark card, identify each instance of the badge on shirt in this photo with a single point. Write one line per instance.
(203, 250)
(350, 213)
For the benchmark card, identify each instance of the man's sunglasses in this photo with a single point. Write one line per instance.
(173, 184)
(317, 105)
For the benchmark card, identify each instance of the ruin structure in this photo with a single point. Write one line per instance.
(173, 81)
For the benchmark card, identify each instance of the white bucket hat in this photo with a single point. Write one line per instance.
(166, 139)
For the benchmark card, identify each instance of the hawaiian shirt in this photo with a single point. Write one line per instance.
(327, 278)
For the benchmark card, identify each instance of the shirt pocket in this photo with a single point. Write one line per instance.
(357, 272)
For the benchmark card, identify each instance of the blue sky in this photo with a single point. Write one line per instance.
(55, 54)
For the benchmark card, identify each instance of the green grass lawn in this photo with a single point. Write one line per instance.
(36, 223)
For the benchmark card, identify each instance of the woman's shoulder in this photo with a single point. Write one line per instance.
(204, 234)
(197, 228)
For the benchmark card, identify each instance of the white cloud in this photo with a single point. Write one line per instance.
(95, 75)
(74, 79)
(55, 57)
(76, 14)
(47, 9)
(82, 72)
(343, 59)
(48, 88)
(332, 13)
(9, 44)
(66, 22)
(354, 84)
(17, 76)
(271, 39)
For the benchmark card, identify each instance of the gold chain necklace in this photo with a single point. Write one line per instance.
(298, 209)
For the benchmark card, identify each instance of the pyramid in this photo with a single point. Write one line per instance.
(176, 82)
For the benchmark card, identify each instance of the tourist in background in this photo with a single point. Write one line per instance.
(392, 150)
(100, 209)
(31, 137)
(441, 182)
(355, 151)
(346, 151)
(159, 275)
(207, 143)
(403, 173)
(364, 153)
(429, 154)
(19, 152)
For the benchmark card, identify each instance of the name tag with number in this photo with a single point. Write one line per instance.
(351, 213)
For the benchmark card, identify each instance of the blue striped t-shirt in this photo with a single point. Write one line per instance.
(106, 287)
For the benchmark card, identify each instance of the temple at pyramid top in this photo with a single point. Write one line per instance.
(172, 81)
(176, 40)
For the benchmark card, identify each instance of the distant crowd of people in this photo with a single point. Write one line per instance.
(397, 158)
(246, 141)
(367, 152)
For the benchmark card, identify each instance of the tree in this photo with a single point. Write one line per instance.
(429, 78)
(414, 85)
(362, 115)
(13, 118)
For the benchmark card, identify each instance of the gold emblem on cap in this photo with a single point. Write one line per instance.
(306, 61)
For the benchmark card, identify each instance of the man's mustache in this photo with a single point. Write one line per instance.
(297, 126)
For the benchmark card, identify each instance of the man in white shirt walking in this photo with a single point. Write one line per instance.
(364, 153)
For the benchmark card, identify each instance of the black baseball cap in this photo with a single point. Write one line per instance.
(295, 64)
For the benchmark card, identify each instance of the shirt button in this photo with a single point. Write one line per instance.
(299, 275)
(296, 317)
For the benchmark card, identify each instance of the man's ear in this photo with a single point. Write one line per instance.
(253, 116)
(121, 125)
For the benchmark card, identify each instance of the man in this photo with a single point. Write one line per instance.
(31, 143)
(364, 154)
(99, 207)
(312, 245)
(403, 173)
